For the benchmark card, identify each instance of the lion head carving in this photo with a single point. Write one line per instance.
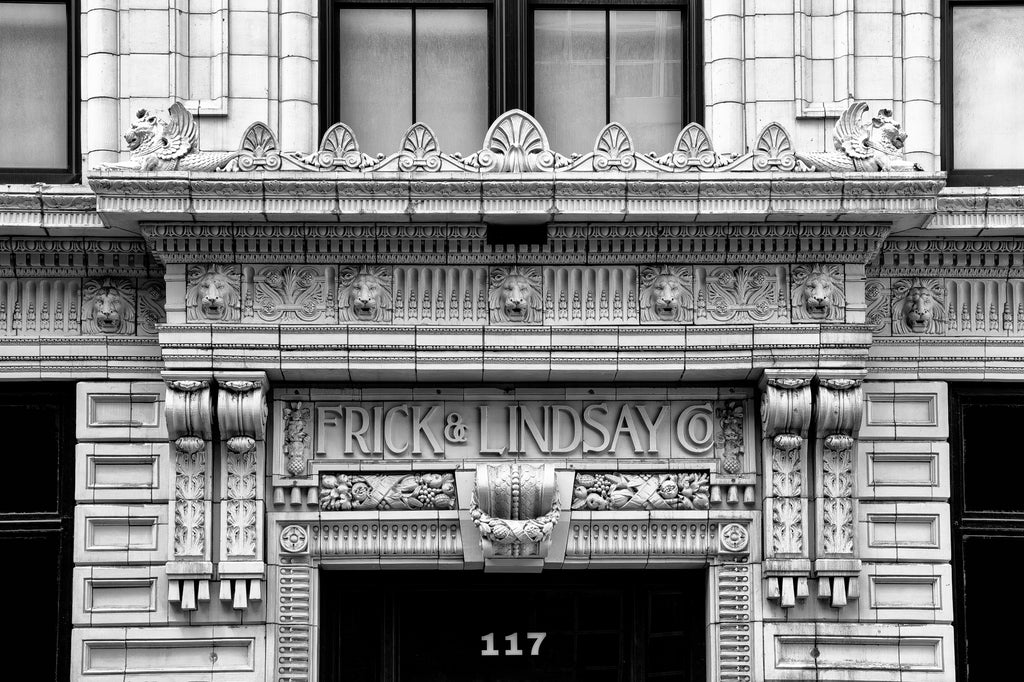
(665, 294)
(108, 306)
(515, 295)
(818, 292)
(365, 294)
(919, 307)
(212, 293)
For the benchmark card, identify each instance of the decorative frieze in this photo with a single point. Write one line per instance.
(741, 294)
(73, 306)
(627, 491)
(521, 294)
(384, 492)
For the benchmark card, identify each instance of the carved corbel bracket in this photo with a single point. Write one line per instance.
(242, 418)
(515, 507)
(838, 407)
(785, 419)
(189, 417)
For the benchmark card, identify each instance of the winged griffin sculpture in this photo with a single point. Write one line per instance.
(876, 145)
(155, 144)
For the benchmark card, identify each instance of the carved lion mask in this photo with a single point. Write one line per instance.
(515, 297)
(922, 310)
(108, 308)
(666, 296)
(213, 293)
(367, 297)
(821, 292)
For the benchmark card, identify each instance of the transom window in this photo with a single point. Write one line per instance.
(37, 53)
(456, 66)
(982, 78)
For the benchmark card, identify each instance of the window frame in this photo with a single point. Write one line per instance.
(968, 524)
(974, 176)
(71, 173)
(511, 46)
(691, 87)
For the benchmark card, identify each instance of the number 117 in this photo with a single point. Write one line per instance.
(513, 644)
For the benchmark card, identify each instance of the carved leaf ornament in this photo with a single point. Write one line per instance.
(516, 143)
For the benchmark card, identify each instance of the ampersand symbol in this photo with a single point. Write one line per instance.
(454, 429)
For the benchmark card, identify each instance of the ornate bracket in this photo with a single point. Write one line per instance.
(242, 418)
(785, 417)
(515, 507)
(838, 406)
(189, 416)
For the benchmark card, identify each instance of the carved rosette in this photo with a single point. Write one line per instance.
(189, 416)
(838, 414)
(241, 417)
(785, 417)
(515, 507)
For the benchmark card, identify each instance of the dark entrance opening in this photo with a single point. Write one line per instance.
(620, 626)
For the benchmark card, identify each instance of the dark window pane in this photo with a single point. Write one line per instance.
(989, 445)
(991, 605)
(988, 77)
(28, 650)
(33, 85)
(31, 436)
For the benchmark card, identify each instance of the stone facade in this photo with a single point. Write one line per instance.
(731, 356)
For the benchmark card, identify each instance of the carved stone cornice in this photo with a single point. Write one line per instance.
(982, 210)
(577, 243)
(905, 200)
